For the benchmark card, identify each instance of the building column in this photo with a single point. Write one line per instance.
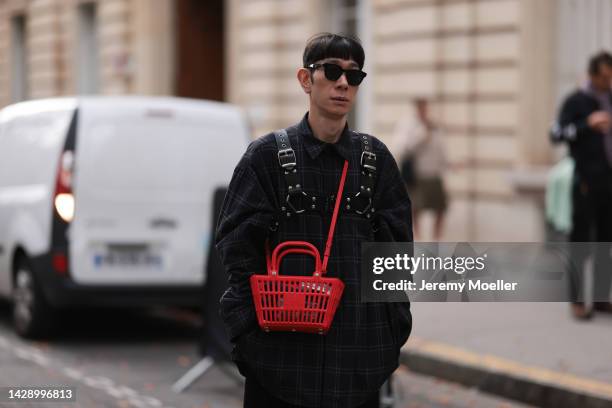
(153, 47)
(538, 71)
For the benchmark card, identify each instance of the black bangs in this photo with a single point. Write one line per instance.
(328, 45)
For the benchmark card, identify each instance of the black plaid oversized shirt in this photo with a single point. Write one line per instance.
(360, 351)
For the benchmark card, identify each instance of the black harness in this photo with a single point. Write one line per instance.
(298, 201)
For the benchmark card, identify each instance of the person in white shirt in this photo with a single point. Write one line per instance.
(418, 147)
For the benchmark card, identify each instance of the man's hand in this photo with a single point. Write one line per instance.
(599, 121)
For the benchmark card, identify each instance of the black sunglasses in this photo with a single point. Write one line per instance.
(334, 71)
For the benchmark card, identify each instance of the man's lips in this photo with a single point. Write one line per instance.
(339, 99)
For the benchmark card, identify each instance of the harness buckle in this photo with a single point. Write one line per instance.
(286, 158)
(368, 161)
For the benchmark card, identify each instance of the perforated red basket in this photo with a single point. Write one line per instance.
(295, 303)
(299, 303)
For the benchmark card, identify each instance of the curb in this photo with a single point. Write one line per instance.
(505, 378)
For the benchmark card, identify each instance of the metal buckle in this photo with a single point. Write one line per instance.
(291, 206)
(368, 156)
(283, 155)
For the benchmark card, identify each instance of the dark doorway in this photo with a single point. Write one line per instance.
(199, 49)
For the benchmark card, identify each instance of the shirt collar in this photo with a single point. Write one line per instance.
(314, 146)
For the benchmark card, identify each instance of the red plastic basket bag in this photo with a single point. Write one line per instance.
(299, 303)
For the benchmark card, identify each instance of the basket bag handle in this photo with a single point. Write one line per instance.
(294, 247)
(302, 247)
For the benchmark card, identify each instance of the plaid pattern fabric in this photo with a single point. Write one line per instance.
(361, 350)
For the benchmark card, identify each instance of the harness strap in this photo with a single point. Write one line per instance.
(368, 166)
(298, 201)
(361, 202)
(287, 161)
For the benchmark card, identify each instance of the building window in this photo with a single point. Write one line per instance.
(19, 69)
(87, 61)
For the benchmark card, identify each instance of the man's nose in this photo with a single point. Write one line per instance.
(342, 81)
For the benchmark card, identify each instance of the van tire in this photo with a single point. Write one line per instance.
(33, 317)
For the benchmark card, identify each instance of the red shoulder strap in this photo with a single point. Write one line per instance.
(332, 226)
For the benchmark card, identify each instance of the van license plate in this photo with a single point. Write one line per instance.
(137, 257)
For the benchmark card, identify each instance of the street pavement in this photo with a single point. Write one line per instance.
(535, 343)
(126, 359)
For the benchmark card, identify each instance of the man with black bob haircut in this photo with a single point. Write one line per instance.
(290, 195)
(585, 124)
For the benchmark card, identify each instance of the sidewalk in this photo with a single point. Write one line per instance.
(532, 352)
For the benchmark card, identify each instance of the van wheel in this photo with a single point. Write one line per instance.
(33, 317)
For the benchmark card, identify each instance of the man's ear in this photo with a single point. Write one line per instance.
(303, 75)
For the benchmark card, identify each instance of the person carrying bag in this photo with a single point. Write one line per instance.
(296, 191)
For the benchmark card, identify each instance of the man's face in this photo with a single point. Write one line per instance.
(335, 98)
(603, 79)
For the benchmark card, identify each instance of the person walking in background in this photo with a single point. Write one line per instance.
(584, 123)
(419, 148)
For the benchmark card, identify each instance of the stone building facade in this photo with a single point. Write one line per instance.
(494, 70)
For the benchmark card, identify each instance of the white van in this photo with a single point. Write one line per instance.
(106, 201)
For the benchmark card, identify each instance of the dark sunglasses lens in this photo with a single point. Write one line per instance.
(332, 71)
(354, 77)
